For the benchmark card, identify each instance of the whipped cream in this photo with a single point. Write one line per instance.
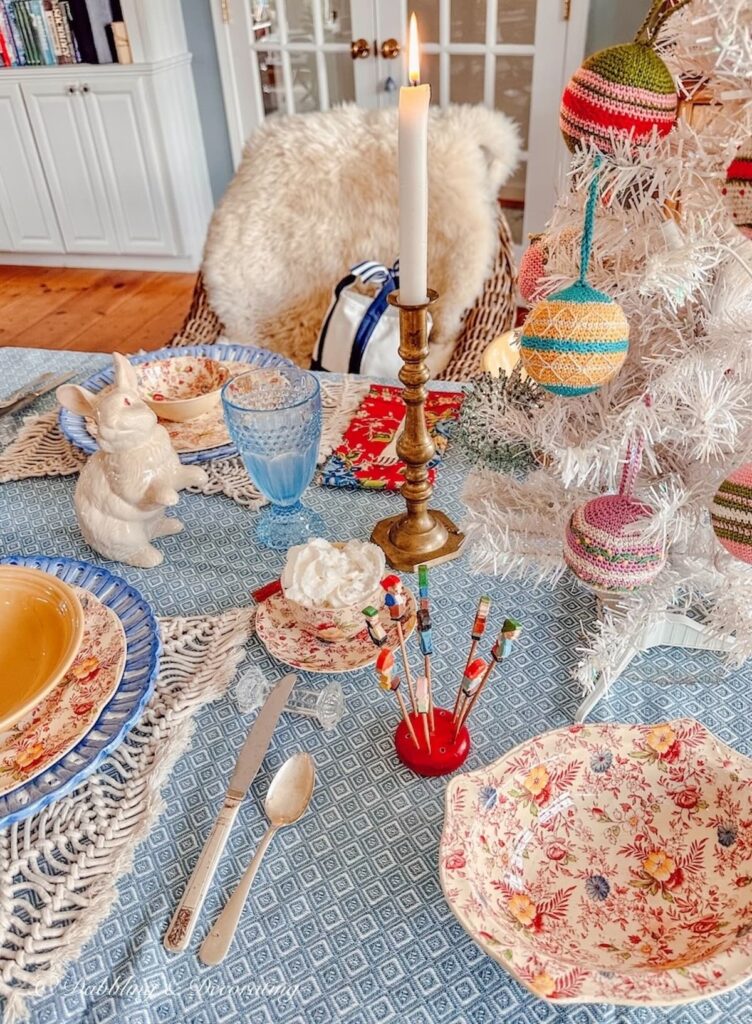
(320, 575)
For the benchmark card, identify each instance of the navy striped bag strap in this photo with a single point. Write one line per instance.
(389, 280)
(366, 271)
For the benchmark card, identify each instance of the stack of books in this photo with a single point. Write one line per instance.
(38, 32)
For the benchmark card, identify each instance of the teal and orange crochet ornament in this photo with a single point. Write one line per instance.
(576, 340)
(622, 91)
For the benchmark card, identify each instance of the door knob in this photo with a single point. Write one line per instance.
(85, 87)
(360, 49)
(72, 89)
(390, 49)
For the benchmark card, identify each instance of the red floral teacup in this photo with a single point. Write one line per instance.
(330, 625)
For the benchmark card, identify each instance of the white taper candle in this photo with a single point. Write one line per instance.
(413, 180)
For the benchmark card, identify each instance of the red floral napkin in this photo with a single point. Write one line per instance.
(375, 425)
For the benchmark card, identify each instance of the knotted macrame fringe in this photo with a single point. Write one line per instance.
(40, 449)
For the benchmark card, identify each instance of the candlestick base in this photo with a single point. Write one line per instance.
(447, 754)
(405, 548)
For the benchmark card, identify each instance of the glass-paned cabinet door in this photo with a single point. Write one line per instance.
(295, 56)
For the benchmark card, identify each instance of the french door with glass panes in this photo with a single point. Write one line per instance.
(293, 56)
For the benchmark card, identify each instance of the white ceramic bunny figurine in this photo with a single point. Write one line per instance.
(124, 488)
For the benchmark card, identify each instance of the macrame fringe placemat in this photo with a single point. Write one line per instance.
(59, 868)
(40, 449)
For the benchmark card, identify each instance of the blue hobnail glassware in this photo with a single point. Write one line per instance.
(274, 417)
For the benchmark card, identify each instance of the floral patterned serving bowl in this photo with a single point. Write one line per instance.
(607, 863)
(183, 387)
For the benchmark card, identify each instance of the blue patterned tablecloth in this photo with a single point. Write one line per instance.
(346, 921)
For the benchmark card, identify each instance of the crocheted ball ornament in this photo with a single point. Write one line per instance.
(602, 554)
(623, 90)
(738, 190)
(731, 513)
(575, 340)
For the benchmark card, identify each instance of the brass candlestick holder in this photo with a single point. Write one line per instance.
(420, 535)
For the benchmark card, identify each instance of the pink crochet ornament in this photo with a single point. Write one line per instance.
(731, 513)
(532, 269)
(598, 546)
(535, 259)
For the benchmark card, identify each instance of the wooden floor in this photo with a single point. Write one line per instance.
(91, 310)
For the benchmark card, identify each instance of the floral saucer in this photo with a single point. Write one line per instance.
(72, 707)
(281, 634)
(607, 863)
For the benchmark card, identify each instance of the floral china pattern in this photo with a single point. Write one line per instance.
(281, 633)
(69, 711)
(181, 377)
(608, 863)
(202, 433)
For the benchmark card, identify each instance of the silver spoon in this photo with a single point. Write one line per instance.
(286, 801)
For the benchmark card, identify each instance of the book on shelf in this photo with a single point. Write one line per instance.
(82, 31)
(46, 32)
(14, 34)
(100, 15)
(4, 51)
(62, 12)
(25, 31)
(38, 22)
(7, 43)
(57, 34)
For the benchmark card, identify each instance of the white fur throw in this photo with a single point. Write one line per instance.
(316, 193)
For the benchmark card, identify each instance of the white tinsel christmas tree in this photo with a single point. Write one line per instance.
(666, 249)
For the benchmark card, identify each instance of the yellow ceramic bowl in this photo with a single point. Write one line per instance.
(41, 626)
(183, 387)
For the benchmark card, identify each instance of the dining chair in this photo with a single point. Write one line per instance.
(316, 193)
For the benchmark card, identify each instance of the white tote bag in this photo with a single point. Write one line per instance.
(360, 333)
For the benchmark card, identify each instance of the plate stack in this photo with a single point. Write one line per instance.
(79, 654)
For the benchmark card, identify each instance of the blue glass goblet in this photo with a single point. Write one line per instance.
(274, 417)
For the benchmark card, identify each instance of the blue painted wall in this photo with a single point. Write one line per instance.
(198, 28)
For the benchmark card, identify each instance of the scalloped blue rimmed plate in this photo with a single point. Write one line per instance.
(123, 709)
(74, 427)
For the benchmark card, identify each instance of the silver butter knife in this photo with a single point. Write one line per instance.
(24, 396)
(251, 755)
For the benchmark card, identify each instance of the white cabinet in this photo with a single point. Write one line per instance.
(102, 165)
(27, 219)
(127, 146)
(69, 158)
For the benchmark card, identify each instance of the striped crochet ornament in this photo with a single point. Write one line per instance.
(532, 268)
(738, 190)
(535, 260)
(731, 513)
(622, 91)
(598, 545)
(575, 340)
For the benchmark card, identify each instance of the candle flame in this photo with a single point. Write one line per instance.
(413, 52)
